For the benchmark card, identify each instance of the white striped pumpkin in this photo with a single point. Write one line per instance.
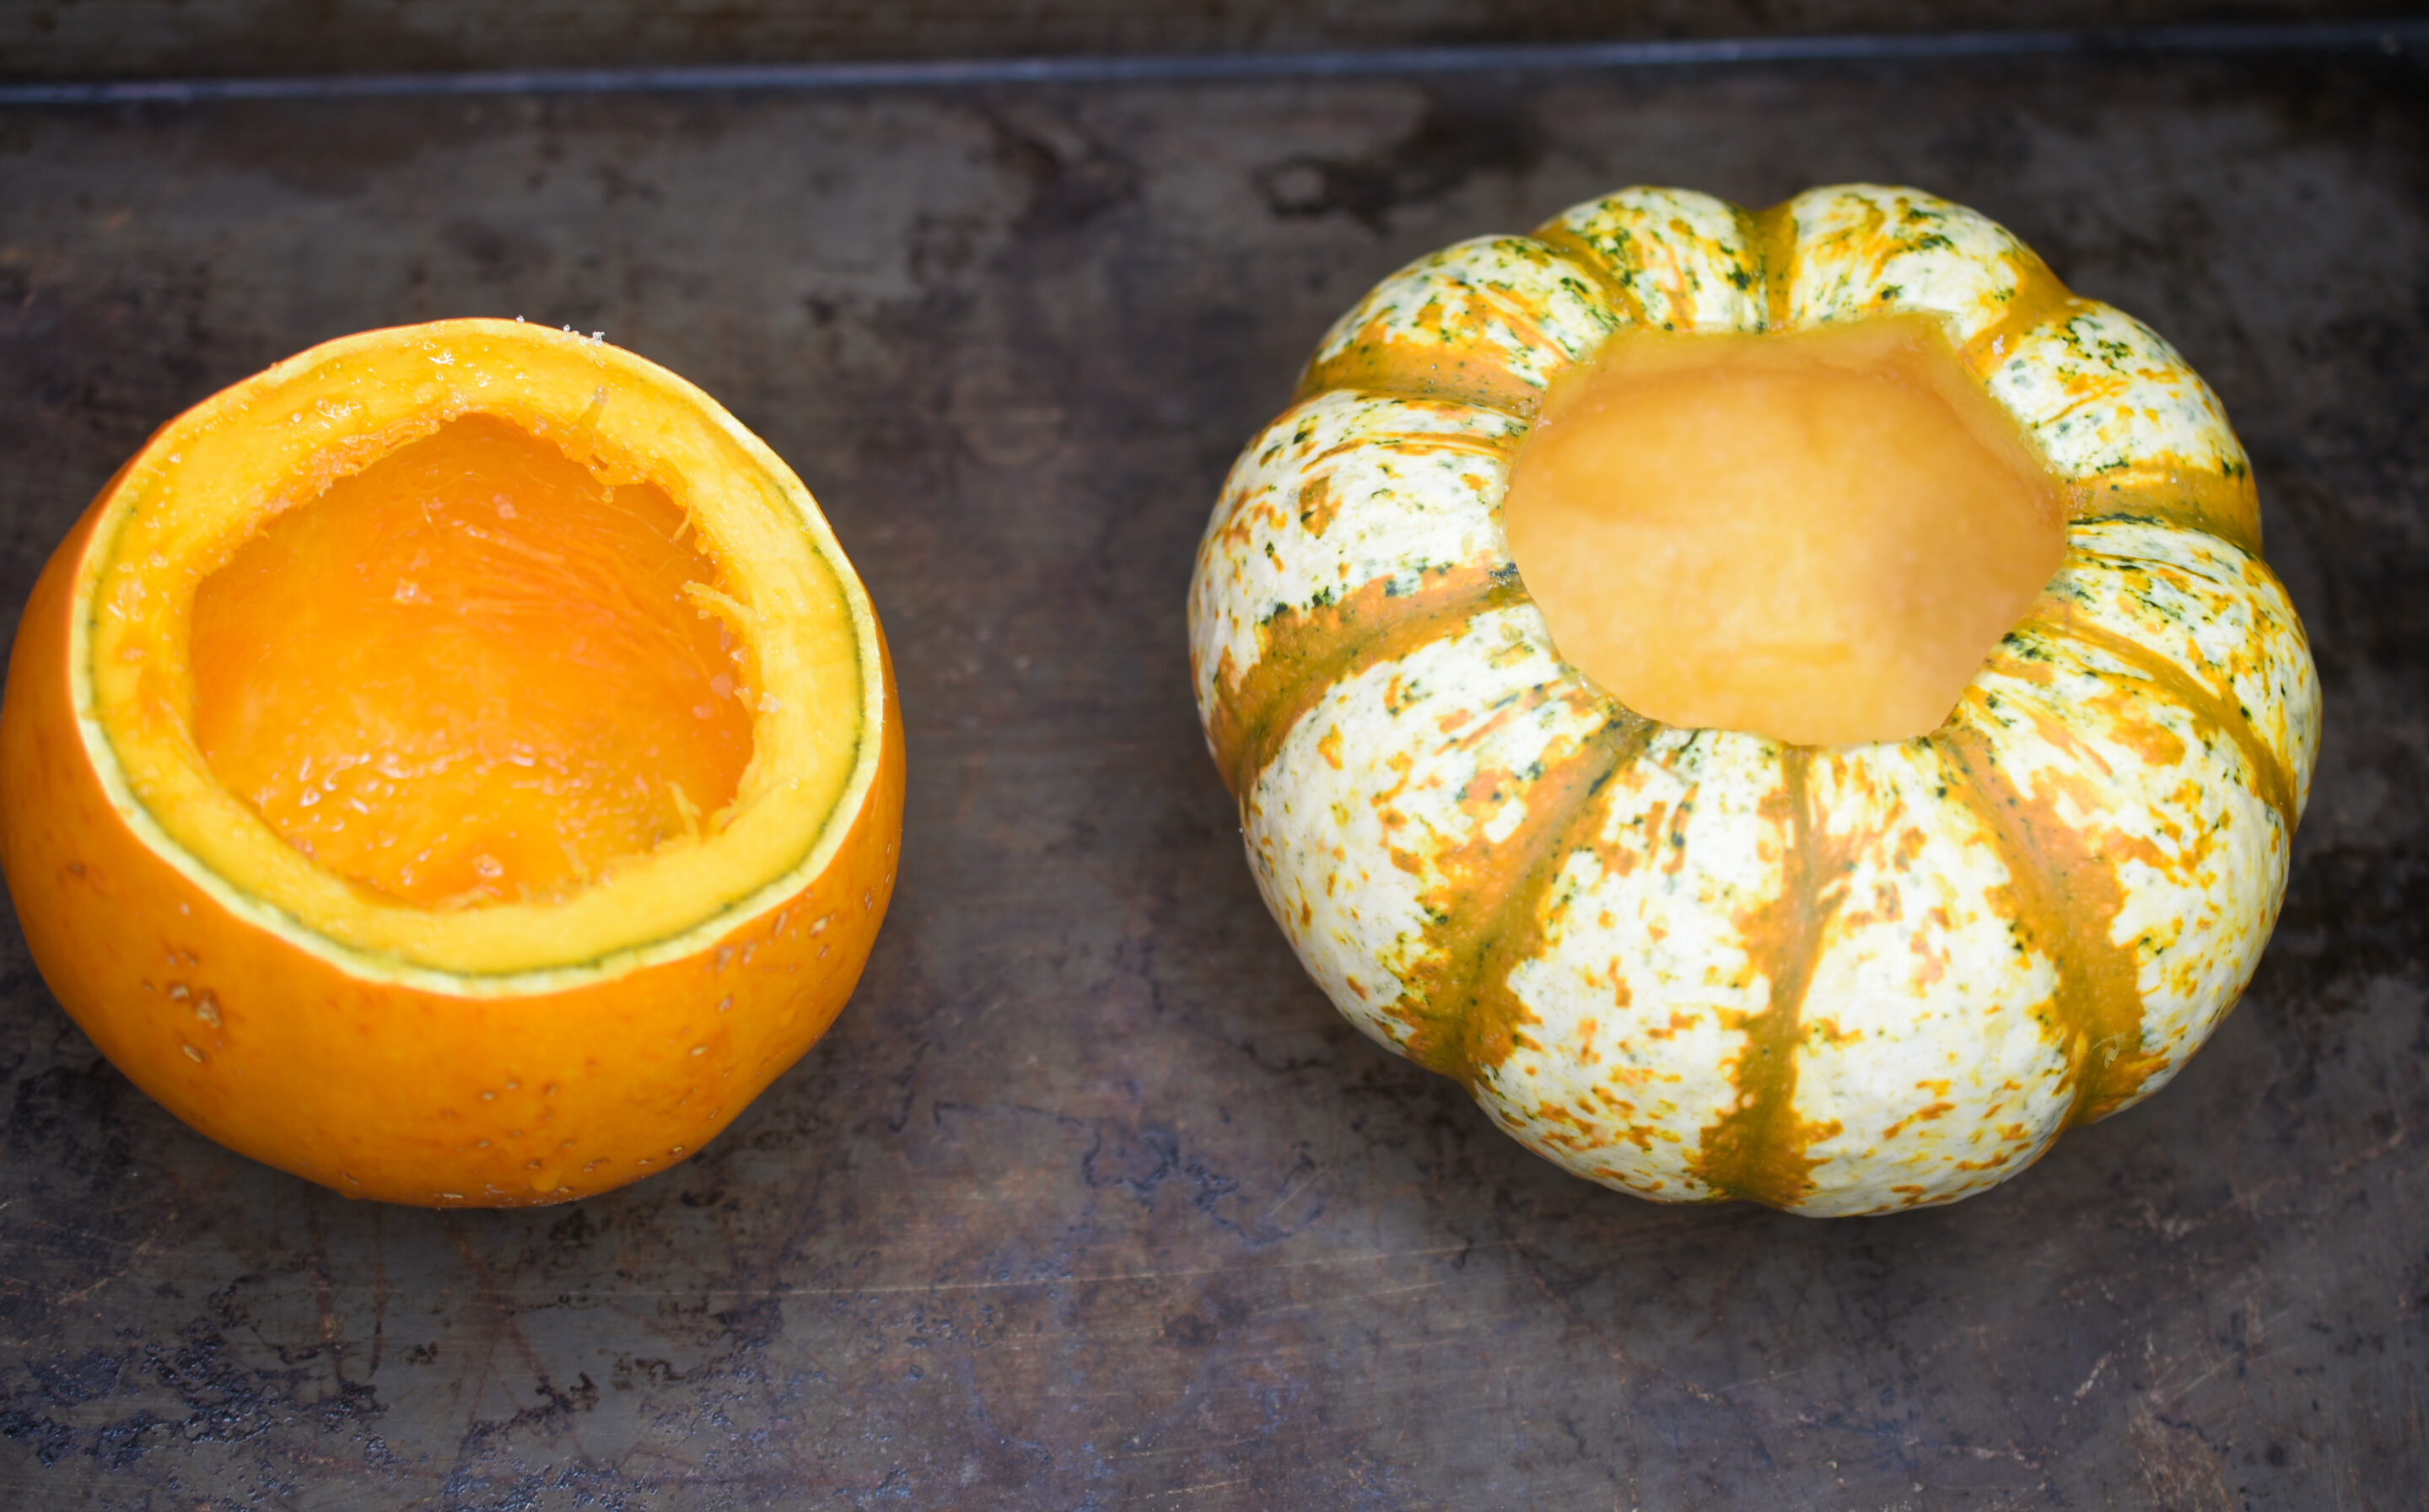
(1697, 964)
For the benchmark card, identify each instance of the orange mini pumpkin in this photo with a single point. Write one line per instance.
(336, 757)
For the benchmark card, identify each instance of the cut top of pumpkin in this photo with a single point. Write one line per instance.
(1814, 536)
(476, 652)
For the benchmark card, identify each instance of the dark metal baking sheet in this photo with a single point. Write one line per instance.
(217, 39)
(1090, 1200)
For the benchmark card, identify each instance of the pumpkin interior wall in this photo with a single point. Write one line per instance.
(1815, 536)
(471, 671)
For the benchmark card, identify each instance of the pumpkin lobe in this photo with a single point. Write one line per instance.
(472, 671)
(1814, 536)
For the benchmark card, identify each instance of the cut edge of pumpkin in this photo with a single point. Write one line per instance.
(798, 795)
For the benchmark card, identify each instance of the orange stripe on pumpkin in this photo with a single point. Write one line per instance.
(1463, 1015)
(1303, 653)
(1755, 1151)
(1772, 234)
(2274, 782)
(1577, 249)
(2224, 505)
(2040, 296)
(2063, 899)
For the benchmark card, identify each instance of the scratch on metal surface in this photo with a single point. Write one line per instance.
(2174, 1396)
(1203, 1486)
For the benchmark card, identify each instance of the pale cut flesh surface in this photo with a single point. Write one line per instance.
(472, 672)
(1815, 536)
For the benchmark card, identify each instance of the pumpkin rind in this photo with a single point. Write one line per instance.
(1494, 317)
(1683, 261)
(1861, 250)
(1701, 964)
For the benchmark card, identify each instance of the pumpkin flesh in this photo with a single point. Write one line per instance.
(1815, 537)
(404, 675)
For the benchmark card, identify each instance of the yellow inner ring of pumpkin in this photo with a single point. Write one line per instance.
(1815, 536)
(216, 478)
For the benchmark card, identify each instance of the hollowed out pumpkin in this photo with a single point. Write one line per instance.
(458, 765)
(1750, 955)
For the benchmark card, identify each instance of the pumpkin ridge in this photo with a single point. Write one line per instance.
(2059, 884)
(1304, 652)
(1480, 1031)
(1755, 1151)
(1393, 367)
(1446, 371)
(2276, 785)
(1683, 257)
(2116, 410)
(1527, 324)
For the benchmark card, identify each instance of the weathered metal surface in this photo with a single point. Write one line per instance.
(1090, 1199)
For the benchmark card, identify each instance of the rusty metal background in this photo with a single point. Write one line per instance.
(1090, 1200)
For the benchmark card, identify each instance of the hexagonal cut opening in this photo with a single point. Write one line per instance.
(1814, 536)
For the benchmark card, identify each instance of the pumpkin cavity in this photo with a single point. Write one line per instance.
(472, 671)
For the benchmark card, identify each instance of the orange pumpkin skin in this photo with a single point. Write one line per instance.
(378, 1088)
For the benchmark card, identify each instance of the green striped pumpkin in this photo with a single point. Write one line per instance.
(1699, 964)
